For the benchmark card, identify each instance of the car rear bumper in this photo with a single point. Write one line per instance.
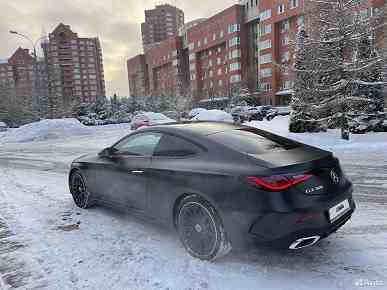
(279, 226)
(281, 230)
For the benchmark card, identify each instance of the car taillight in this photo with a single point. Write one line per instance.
(278, 182)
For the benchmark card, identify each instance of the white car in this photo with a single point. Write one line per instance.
(149, 119)
(195, 112)
(213, 115)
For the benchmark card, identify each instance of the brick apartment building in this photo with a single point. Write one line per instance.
(160, 24)
(75, 70)
(272, 27)
(217, 54)
(18, 76)
(246, 46)
(167, 68)
(138, 76)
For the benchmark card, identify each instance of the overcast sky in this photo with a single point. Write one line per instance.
(115, 22)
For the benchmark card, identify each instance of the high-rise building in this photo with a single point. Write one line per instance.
(247, 49)
(218, 55)
(272, 25)
(75, 70)
(161, 23)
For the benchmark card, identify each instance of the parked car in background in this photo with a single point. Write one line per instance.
(245, 113)
(195, 112)
(3, 127)
(149, 119)
(213, 115)
(283, 111)
(172, 114)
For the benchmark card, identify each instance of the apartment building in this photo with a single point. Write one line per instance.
(138, 76)
(272, 26)
(160, 24)
(167, 68)
(26, 83)
(217, 54)
(75, 70)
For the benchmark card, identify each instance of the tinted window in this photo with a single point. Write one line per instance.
(247, 142)
(171, 146)
(139, 144)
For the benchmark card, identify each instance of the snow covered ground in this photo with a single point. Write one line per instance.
(47, 243)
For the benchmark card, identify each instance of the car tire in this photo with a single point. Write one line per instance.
(201, 229)
(79, 191)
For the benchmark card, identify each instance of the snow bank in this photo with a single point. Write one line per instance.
(330, 140)
(44, 130)
(213, 115)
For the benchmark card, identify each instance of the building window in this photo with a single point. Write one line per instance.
(220, 83)
(199, 43)
(266, 58)
(205, 40)
(285, 57)
(191, 46)
(234, 28)
(266, 87)
(192, 56)
(236, 53)
(192, 67)
(218, 61)
(235, 66)
(285, 40)
(235, 78)
(287, 85)
(265, 29)
(211, 73)
(293, 4)
(281, 8)
(265, 44)
(234, 41)
(221, 34)
(284, 25)
(214, 37)
(266, 72)
(210, 63)
(264, 15)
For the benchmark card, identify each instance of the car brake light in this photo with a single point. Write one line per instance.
(278, 182)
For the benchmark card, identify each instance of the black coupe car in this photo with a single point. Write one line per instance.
(219, 185)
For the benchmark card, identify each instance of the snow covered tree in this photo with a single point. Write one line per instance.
(338, 63)
(306, 71)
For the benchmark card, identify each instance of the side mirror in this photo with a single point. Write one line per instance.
(107, 152)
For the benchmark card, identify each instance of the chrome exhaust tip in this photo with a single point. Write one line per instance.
(304, 242)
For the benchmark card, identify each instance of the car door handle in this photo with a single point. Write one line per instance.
(137, 172)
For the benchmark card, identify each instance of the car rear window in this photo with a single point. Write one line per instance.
(250, 142)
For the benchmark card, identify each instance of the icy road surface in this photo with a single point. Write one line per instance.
(48, 243)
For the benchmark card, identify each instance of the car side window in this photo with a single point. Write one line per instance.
(172, 146)
(138, 145)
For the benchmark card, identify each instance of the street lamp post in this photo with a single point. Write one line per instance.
(35, 67)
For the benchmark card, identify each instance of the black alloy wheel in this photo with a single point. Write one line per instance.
(201, 230)
(79, 191)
